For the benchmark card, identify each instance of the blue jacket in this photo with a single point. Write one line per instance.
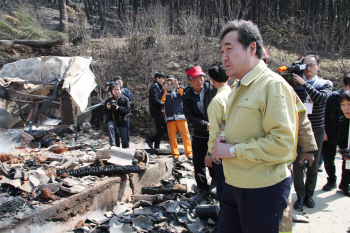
(173, 105)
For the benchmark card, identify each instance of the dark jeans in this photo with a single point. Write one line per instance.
(253, 210)
(114, 132)
(199, 150)
(161, 129)
(329, 151)
(308, 188)
(220, 179)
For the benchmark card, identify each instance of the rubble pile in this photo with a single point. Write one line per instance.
(31, 177)
(168, 206)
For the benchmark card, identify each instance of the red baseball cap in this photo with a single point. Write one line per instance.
(194, 72)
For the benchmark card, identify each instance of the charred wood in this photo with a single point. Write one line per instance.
(177, 188)
(98, 171)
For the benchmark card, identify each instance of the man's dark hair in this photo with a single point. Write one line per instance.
(344, 96)
(248, 32)
(346, 79)
(317, 58)
(117, 78)
(218, 73)
(159, 75)
(115, 84)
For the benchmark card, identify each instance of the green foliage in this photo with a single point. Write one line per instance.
(22, 24)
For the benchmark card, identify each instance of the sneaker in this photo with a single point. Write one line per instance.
(201, 195)
(345, 188)
(329, 186)
(175, 160)
(150, 143)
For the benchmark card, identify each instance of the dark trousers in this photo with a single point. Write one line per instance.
(253, 210)
(329, 151)
(308, 188)
(114, 132)
(199, 150)
(220, 179)
(160, 127)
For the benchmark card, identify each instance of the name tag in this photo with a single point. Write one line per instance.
(309, 107)
(347, 164)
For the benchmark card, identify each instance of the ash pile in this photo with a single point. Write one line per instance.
(33, 177)
(168, 206)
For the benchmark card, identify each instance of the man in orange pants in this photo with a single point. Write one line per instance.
(171, 95)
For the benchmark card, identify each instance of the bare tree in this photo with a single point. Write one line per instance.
(63, 16)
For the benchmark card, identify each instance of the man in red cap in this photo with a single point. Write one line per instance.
(196, 99)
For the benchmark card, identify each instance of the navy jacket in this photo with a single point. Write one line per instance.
(120, 114)
(173, 105)
(193, 114)
(155, 105)
(332, 114)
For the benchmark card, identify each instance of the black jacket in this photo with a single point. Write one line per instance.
(120, 115)
(193, 114)
(343, 132)
(155, 105)
(173, 105)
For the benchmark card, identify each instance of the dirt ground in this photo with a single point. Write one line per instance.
(332, 211)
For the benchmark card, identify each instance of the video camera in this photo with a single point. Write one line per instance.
(110, 83)
(296, 68)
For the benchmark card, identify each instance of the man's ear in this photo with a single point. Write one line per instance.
(252, 48)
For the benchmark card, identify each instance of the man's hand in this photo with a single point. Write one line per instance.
(176, 83)
(299, 79)
(208, 125)
(165, 86)
(208, 161)
(220, 149)
(325, 136)
(109, 105)
(309, 157)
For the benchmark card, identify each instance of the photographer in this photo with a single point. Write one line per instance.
(117, 108)
(314, 93)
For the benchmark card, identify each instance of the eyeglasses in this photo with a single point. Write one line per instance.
(311, 65)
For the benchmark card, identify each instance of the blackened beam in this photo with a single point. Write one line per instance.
(98, 171)
(177, 188)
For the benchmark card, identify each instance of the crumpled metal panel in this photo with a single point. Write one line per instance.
(27, 69)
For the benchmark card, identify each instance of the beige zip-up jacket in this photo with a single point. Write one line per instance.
(262, 122)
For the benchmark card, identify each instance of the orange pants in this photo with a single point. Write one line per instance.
(182, 127)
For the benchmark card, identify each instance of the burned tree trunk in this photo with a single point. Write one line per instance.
(63, 16)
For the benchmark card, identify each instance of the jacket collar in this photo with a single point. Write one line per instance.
(253, 74)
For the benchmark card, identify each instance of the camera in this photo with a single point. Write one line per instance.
(296, 68)
(114, 104)
(110, 83)
(345, 153)
(304, 164)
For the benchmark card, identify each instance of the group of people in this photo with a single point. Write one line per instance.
(252, 135)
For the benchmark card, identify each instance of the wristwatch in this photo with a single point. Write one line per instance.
(232, 151)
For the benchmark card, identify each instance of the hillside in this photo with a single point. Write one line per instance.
(137, 57)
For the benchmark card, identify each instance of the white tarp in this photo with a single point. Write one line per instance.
(78, 79)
